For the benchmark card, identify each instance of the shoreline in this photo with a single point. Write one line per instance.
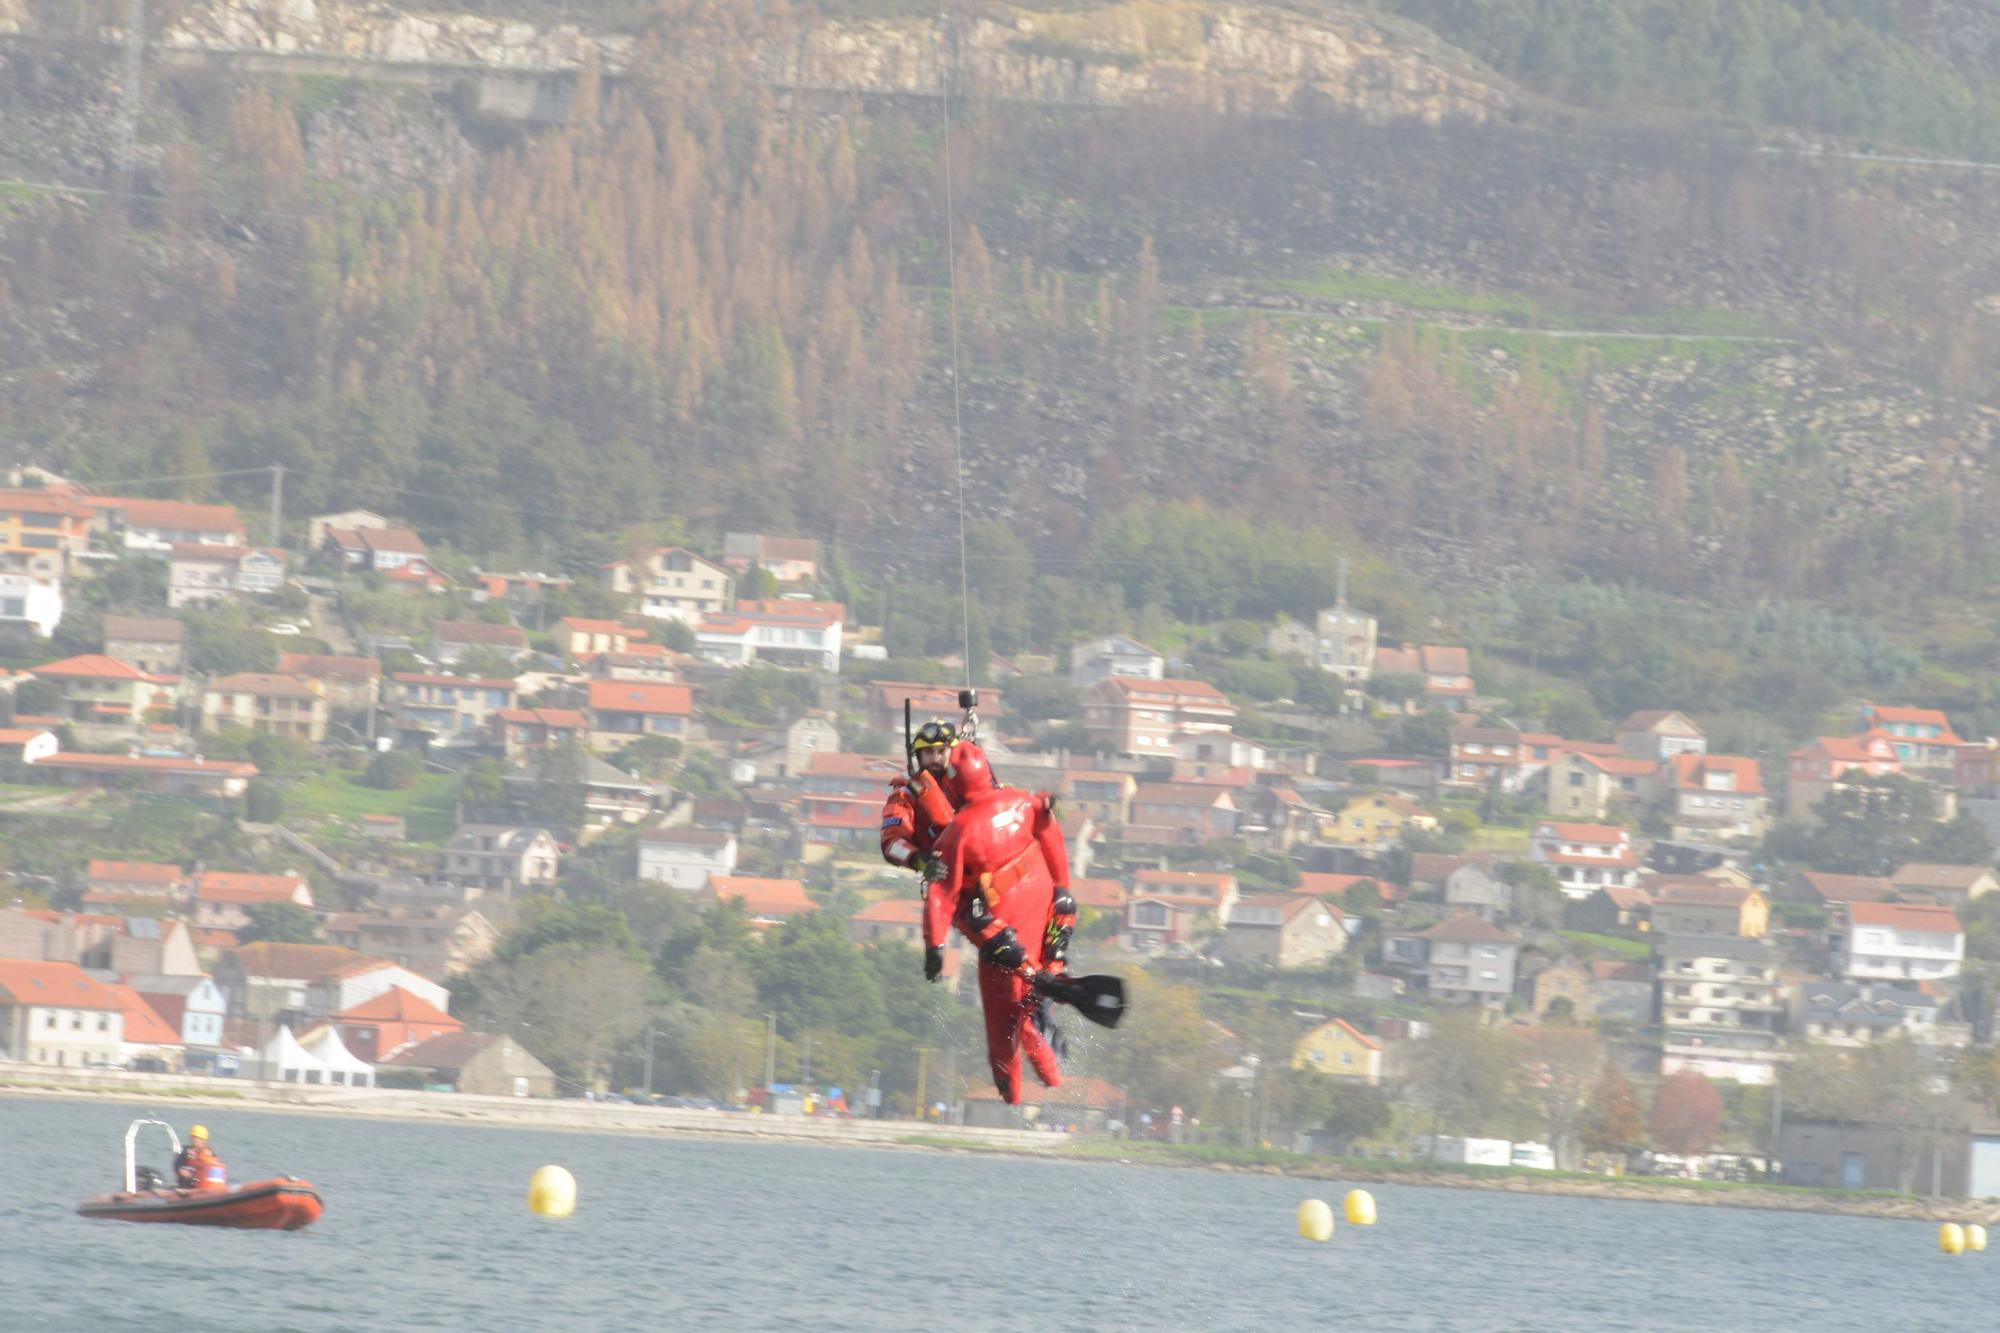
(921, 1136)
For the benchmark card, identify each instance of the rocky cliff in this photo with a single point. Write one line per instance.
(1219, 57)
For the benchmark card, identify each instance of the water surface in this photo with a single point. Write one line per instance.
(426, 1227)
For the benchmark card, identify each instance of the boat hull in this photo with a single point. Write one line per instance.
(266, 1205)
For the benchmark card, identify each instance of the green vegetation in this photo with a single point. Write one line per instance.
(1840, 68)
(1610, 943)
(426, 806)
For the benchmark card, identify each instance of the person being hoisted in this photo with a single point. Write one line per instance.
(1001, 876)
(921, 804)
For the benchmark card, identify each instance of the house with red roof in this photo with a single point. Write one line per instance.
(583, 638)
(1139, 716)
(147, 1041)
(1817, 768)
(350, 683)
(786, 559)
(839, 821)
(623, 711)
(40, 530)
(104, 690)
(1485, 758)
(1283, 930)
(57, 1014)
(1084, 1104)
(191, 1005)
(776, 632)
(118, 881)
(1717, 798)
(1588, 786)
(1445, 671)
(290, 706)
(1585, 857)
(298, 983)
(1952, 885)
(770, 902)
(157, 526)
(838, 773)
(27, 745)
(390, 1022)
(220, 896)
(1890, 941)
(886, 697)
(1106, 896)
(899, 918)
(1923, 738)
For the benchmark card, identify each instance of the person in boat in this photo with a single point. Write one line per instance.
(1002, 879)
(197, 1167)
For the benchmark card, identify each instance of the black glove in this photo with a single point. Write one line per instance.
(928, 867)
(933, 963)
(1004, 950)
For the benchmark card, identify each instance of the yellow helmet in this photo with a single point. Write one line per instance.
(198, 1132)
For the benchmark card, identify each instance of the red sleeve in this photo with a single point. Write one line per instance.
(941, 898)
(900, 841)
(1055, 851)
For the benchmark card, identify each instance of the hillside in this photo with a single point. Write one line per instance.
(1323, 267)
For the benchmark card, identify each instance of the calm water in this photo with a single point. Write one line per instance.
(426, 1228)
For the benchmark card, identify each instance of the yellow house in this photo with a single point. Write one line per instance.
(1374, 819)
(1338, 1048)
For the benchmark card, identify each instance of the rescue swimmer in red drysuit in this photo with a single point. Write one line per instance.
(1002, 877)
(920, 805)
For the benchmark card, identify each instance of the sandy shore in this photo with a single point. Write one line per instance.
(616, 1118)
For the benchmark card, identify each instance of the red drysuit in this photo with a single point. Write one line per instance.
(918, 808)
(1003, 861)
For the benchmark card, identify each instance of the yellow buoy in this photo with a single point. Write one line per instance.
(1315, 1220)
(552, 1192)
(1951, 1238)
(1360, 1208)
(1975, 1238)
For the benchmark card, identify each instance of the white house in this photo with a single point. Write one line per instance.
(1114, 655)
(30, 603)
(193, 1004)
(1586, 857)
(157, 526)
(1899, 941)
(685, 858)
(776, 631)
(57, 1014)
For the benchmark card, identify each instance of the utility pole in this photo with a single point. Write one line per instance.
(806, 1063)
(923, 1082)
(277, 504)
(770, 1053)
(649, 1062)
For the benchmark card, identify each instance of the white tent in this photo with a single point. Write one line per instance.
(283, 1060)
(342, 1065)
